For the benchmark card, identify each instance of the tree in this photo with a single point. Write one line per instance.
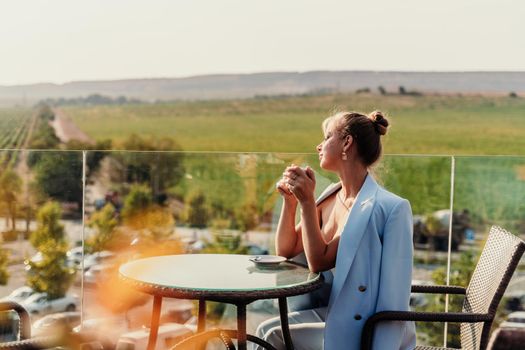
(155, 224)
(10, 187)
(60, 176)
(44, 136)
(152, 222)
(104, 221)
(50, 275)
(197, 213)
(381, 90)
(160, 166)
(95, 155)
(45, 112)
(225, 242)
(34, 197)
(48, 225)
(4, 259)
(138, 199)
(247, 217)
(362, 91)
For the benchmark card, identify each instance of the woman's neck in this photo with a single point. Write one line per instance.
(352, 179)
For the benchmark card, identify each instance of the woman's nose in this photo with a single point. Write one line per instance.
(319, 147)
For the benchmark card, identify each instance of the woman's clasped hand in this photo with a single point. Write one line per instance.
(297, 184)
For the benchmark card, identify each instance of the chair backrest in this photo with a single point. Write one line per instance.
(498, 260)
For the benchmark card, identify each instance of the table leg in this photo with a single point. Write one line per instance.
(283, 310)
(241, 326)
(154, 326)
(201, 325)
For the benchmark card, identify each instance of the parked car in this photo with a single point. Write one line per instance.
(178, 313)
(251, 248)
(254, 249)
(98, 273)
(105, 330)
(74, 256)
(20, 294)
(59, 323)
(41, 304)
(195, 246)
(507, 339)
(515, 301)
(169, 334)
(102, 257)
(514, 320)
(418, 300)
(433, 229)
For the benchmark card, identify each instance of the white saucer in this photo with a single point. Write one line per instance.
(267, 260)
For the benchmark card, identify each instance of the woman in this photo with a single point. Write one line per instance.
(356, 226)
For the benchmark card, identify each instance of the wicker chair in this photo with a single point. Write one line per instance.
(498, 260)
(226, 336)
(25, 342)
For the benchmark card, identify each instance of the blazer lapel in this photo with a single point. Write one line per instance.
(353, 231)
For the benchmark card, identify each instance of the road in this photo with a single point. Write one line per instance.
(66, 130)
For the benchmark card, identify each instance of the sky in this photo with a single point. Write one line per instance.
(69, 40)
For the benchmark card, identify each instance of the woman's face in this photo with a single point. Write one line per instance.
(331, 148)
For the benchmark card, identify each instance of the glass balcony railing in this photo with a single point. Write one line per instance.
(70, 218)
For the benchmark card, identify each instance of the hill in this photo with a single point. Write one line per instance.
(228, 86)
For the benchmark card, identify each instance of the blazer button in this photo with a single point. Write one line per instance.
(357, 317)
(362, 288)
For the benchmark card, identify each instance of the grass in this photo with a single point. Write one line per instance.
(434, 124)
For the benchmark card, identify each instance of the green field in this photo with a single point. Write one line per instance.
(468, 126)
(490, 187)
(434, 124)
(14, 128)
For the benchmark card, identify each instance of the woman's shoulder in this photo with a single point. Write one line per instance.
(390, 200)
(328, 191)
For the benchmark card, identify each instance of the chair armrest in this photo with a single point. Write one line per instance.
(428, 317)
(225, 335)
(25, 341)
(438, 289)
(25, 322)
(368, 329)
(33, 344)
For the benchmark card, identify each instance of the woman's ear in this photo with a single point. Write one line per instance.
(349, 140)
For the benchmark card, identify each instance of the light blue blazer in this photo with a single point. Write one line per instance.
(373, 271)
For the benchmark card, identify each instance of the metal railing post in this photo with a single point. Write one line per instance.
(83, 237)
(449, 249)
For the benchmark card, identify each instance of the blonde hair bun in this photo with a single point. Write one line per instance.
(380, 122)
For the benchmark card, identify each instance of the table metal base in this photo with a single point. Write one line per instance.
(240, 333)
(283, 311)
(154, 325)
(201, 325)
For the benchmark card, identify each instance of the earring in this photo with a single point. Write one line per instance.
(343, 156)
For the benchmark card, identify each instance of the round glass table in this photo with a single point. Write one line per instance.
(218, 277)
